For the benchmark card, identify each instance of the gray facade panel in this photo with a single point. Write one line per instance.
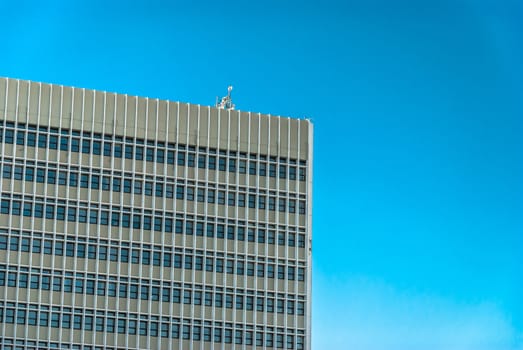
(138, 223)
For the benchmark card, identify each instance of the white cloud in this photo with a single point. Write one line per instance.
(374, 316)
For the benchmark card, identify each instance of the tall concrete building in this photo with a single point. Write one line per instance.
(137, 223)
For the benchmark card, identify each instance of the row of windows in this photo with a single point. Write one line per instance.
(159, 153)
(136, 221)
(145, 291)
(131, 324)
(61, 176)
(109, 285)
(117, 218)
(148, 257)
(26, 344)
(151, 188)
(126, 209)
(103, 249)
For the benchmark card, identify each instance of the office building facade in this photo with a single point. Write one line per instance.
(136, 223)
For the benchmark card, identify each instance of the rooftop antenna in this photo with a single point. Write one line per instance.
(226, 101)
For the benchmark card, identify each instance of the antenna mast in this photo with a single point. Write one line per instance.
(226, 101)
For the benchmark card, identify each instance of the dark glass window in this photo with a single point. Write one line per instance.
(32, 319)
(301, 274)
(230, 232)
(149, 154)
(106, 183)
(292, 172)
(302, 174)
(191, 159)
(118, 150)
(270, 271)
(283, 171)
(169, 191)
(86, 146)
(263, 169)
(75, 144)
(31, 139)
(73, 179)
(198, 263)
(97, 147)
(175, 331)
(9, 136)
(281, 272)
(129, 151)
(107, 149)
(281, 204)
(4, 206)
(272, 170)
(249, 302)
(186, 332)
(42, 140)
(270, 305)
(250, 268)
(211, 196)
(212, 162)
(29, 174)
(239, 302)
(252, 201)
(160, 156)
(260, 270)
(88, 323)
(170, 157)
(232, 165)
(243, 166)
(201, 161)
(218, 299)
(301, 308)
(139, 153)
(301, 240)
(220, 231)
(241, 199)
(180, 192)
(240, 270)
(64, 143)
(261, 201)
(228, 336)
(209, 264)
(181, 158)
(222, 164)
(259, 304)
(252, 167)
(218, 335)
(19, 171)
(190, 193)
(53, 142)
(261, 236)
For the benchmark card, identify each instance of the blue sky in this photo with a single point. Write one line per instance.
(418, 114)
